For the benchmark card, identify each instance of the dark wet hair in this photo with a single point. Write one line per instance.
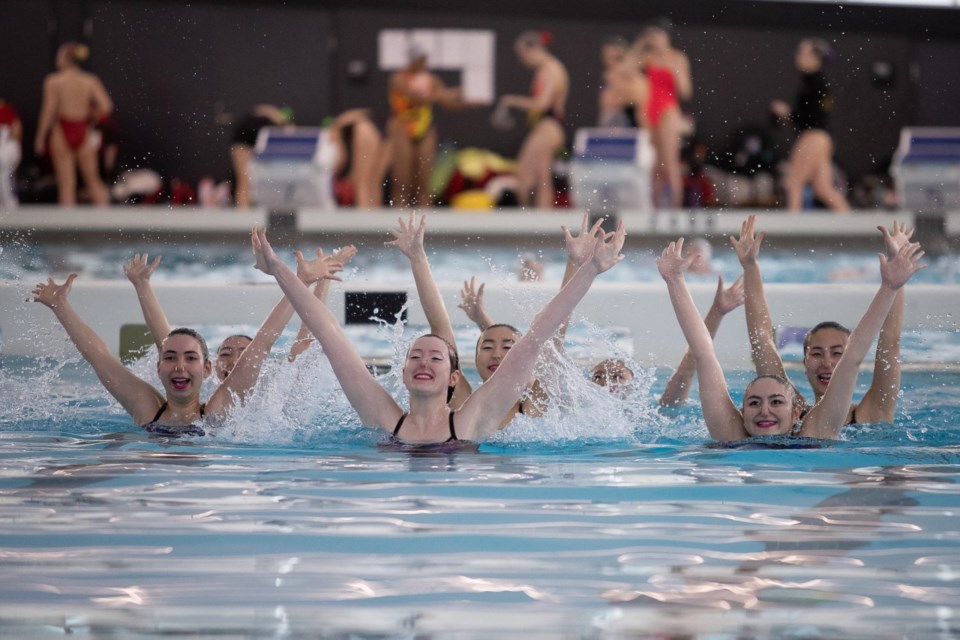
(798, 399)
(236, 335)
(829, 324)
(184, 331)
(451, 353)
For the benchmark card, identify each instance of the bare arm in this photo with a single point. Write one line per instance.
(47, 114)
(827, 417)
(320, 291)
(483, 411)
(540, 102)
(137, 397)
(579, 252)
(102, 104)
(723, 419)
(724, 301)
(681, 75)
(409, 239)
(763, 348)
(373, 404)
(138, 271)
(880, 401)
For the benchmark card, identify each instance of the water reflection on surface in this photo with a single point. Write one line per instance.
(128, 535)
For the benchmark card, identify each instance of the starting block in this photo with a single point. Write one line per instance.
(612, 169)
(926, 169)
(293, 167)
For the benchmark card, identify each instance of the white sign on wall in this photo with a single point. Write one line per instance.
(469, 51)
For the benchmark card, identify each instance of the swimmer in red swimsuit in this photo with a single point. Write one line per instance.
(72, 99)
(668, 72)
(546, 109)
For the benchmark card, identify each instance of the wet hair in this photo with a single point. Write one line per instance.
(236, 335)
(184, 331)
(534, 39)
(823, 325)
(798, 399)
(823, 49)
(611, 364)
(76, 52)
(452, 353)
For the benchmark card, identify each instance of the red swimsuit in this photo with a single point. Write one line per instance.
(663, 93)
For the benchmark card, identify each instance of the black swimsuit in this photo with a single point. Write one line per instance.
(453, 432)
(168, 430)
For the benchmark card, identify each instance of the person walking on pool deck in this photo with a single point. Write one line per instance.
(824, 344)
(73, 99)
(430, 369)
(771, 405)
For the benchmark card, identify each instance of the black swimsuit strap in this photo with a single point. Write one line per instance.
(396, 429)
(163, 407)
(453, 431)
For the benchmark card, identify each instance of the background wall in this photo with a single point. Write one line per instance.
(181, 73)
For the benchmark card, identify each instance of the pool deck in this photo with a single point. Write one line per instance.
(523, 227)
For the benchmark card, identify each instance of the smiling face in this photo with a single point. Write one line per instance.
(229, 353)
(769, 407)
(182, 367)
(428, 368)
(823, 351)
(494, 345)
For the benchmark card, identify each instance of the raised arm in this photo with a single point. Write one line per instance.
(321, 291)
(580, 249)
(724, 421)
(763, 347)
(138, 271)
(409, 239)
(484, 410)
(373, 404)
(827, 417)
(880, 401)
(724, 301)
(137, 397)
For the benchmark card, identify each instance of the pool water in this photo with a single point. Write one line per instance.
(21, 260)
(606, 519)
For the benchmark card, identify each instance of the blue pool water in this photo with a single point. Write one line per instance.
(606, 519)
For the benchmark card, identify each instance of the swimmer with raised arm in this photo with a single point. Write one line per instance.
(770, 403)
(430, 369)
(182, 366)
(825, 343)
(321, 291)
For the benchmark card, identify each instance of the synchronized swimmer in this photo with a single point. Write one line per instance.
(444, 408)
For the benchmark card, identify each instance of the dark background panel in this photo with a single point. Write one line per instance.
(180, 73)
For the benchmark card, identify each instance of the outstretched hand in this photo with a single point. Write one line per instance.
(606, 251)
(264, 257)
(896, 239)
(726, 300)
(580, 247)
(320, 268)
(139, 269)
(472, 300)
(409, 237)
(344, 254)
(897, 270)
(671, 263)
(748, 244)
(52, 294)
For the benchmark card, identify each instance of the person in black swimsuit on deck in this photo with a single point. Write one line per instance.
(430, 369)
(825, 343)
(245, 139)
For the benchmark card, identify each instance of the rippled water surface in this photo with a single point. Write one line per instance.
(614, 521)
